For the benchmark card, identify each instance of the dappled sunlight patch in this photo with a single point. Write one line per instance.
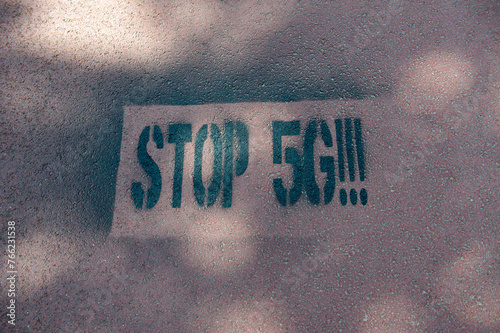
(148, 33)
(241, 315)
(433, 81)
(45, 256)
(249, 317)
(437, 93)
(137, 287)
(220, 244)
(471, 284)
(88, 30)
(113, 288)
(392, 313)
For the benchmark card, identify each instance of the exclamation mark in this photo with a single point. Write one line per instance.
(339, 130)
(340, 148)
(349, 149)
(354, 150)
(360, 150)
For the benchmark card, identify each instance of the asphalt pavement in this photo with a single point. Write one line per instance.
(418, 251)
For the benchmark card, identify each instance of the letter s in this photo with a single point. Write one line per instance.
(150, 167)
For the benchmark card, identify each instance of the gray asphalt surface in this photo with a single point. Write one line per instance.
(68, 69)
